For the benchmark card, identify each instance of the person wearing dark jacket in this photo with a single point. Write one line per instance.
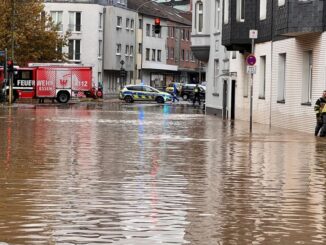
(320, 115)
(196, 92)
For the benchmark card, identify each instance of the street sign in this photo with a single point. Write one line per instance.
(2, 53)
(253, 34)
(251, 69)
(251, 59)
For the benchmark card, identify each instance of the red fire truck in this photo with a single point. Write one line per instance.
(60, 82)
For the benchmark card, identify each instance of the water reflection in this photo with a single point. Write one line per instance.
(155, 174)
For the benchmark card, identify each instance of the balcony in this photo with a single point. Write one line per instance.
(200, 46)
(297, 18)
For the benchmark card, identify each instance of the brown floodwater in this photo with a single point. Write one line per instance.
(155, 174)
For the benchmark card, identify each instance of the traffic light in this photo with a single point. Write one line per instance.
(157, 28)
(10, 65)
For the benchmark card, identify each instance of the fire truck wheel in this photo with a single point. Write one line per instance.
(63, 97)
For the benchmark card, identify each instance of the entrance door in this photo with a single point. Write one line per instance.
(233, 99)
(225, 99)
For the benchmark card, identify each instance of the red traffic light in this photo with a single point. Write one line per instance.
(10, 65)
(157, 26)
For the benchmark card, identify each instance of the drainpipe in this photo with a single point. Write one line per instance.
(103, 50)
(271, 82)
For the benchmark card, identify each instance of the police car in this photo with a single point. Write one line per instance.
(131, 93)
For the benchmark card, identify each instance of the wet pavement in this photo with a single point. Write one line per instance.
(148, 174)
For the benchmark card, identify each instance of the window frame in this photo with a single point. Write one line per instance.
(281, 81)
(262, 77)
(74, 53)
(75, 21)
(307, 78)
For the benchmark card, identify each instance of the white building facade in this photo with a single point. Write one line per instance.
(85, 45)
(206, 45)
(119, 48)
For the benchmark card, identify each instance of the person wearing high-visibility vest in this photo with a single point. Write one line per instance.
(320, 110)
(196, 92)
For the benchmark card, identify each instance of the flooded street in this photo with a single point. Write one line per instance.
(152, 174)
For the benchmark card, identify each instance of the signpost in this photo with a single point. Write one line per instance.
(251, 68)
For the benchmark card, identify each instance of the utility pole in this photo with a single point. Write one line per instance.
(11, 74)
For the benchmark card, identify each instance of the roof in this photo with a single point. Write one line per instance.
(154, 9)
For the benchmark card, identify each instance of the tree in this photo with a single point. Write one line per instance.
(31, 33)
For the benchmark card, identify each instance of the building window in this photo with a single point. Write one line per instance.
(100, 48)
(262, 9)
(119, 21)
(153, 54)
(132, 23)
(199, 17)
(240, 10)
(182, 54)
(74, 50)
(140, 48)
(147, 53)
(148, 30)
(140, 23)
(159, 54)
(262, 77)
(172, 31)
(217, 45)
(281, 78)
(127, 50)
(118, 49)
(100, 22)
(131, 50)
(74, 21)
(57, 19)
(226, 11)
(216, 76)
(234, 55)
(281, 3)
(217, 14)
(127, 23)
(307, 77)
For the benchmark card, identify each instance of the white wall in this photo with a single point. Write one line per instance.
(291, 114)
(90, 33)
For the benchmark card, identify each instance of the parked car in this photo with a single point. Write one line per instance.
(187, 91)
(131, 93)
